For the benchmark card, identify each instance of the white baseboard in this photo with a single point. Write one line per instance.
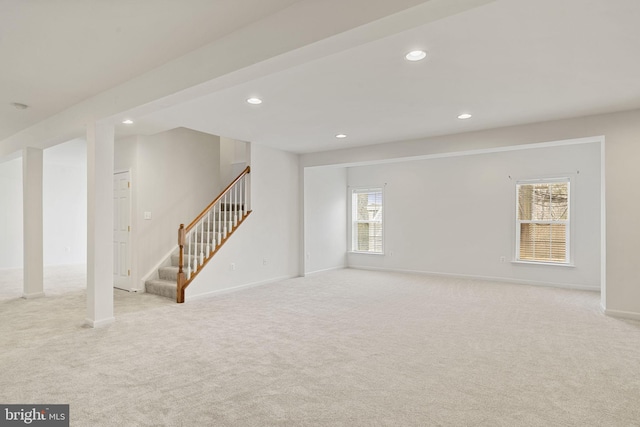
(236, 288)
(621, 314)
(487, 278)
(99, 323)
(33, 295)
(324, 270)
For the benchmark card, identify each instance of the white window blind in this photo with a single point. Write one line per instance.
(366, 220)
(542, 221)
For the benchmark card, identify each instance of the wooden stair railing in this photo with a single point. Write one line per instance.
(206, 234)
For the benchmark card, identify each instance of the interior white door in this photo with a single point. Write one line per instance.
(121, 230)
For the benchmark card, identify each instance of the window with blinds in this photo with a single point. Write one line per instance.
(366, 220)
(542, 222)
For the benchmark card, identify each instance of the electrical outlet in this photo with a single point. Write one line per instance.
(503, 259)
(232, 267)
(265, 261)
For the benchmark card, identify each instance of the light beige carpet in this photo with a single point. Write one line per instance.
(344, 348)
(57, 280)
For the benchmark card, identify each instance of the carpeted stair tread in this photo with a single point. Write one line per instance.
(169, 273)
(160, 287)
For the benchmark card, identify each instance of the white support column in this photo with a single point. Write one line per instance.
(32, 222)
(100, 148)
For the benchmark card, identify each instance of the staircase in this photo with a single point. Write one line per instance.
(201, 239)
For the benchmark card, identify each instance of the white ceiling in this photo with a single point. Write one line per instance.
(54, 54)
(507, 62)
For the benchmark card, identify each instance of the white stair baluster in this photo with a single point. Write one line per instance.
(229, 211)
(208, 217)
(202, 241)
(216, 239)
(194, 257)
(231, 225)
(188, 259)
(243, 197)
(226, 209)
(231, 221)
(219, 223)
(223, 225)
(211, 236)
(246, 182)
(195, 250)
(216, 234)
(235, 207)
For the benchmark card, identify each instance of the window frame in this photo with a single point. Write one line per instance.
(353, 221)
(568, 222)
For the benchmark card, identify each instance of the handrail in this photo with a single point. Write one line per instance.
(217, 199)
(218, 221)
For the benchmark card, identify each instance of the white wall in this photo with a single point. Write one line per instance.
(64, 203)
(325, 218)
(621, 296)
(455, 215)
(233, 159)
(271, 232)
(175, 174)
(64, 207)
(125, 153)
(11, 214)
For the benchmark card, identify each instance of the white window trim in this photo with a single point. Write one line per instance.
(351, 190)
(568, 229)
(554, 264)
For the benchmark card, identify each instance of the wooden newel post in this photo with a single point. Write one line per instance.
(180, 287)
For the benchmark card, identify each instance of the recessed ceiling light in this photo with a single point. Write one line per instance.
(465, 116)
(341, 135)
(127, 122)
(416, 55)
(254, 101)
(19, 106)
